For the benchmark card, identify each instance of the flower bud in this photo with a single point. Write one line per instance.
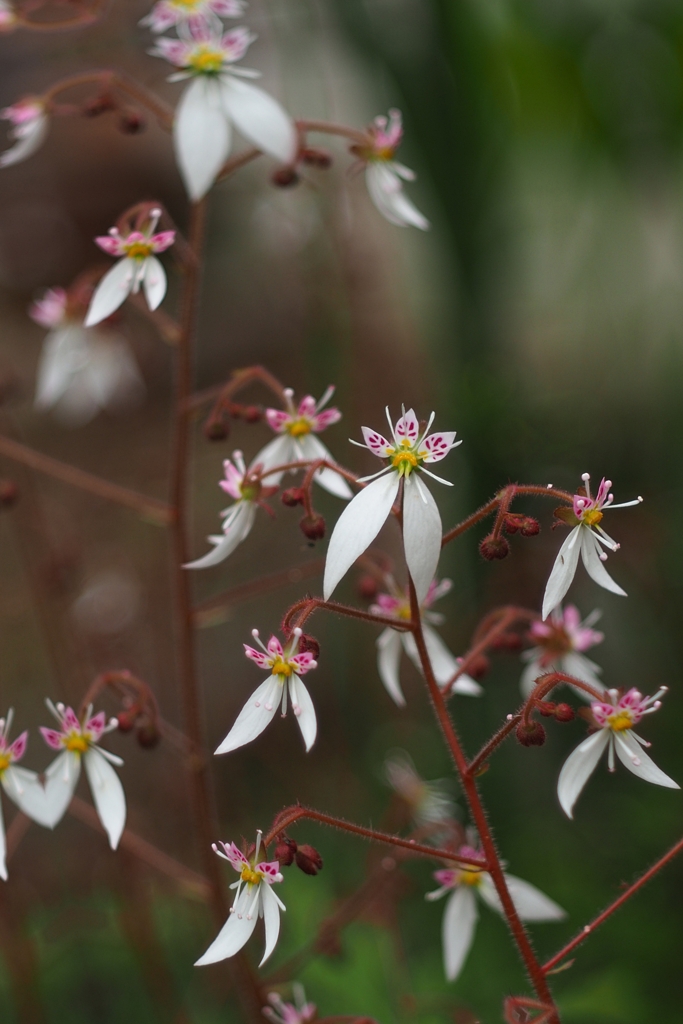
(148, 735)
(9, 493)
(309, 645)
(546, 707)
(252, 414)
(368, 587)
(530, 527)
(530, 734)
(216, 429)
(492, 547)
(285, 177)
(507, 642)
(285, 851)
(512, 522)
(478, 667)
(308, 860)
(131, 122)
(97, 105)
(126, 720)
(292, 497)
(312, 527)
(564, 713)
(320, 158)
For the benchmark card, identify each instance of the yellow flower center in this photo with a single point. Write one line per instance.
(206, 61)
(404, 462)
(592, 518)
(251, 876)
(282, 668)
(186, 5)
(403, 612)
(299, 427)
(470, 877)
(5, 762)
(620, 721)
(139, 250)
(76, 743)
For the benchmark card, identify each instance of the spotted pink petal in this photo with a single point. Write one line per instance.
(275, 647)
(277, 419)
(446, 876)
(111, 244)
(377, 444)
(96, 725)
(235, 856)
(408, 426)
(439, 445)
(233, 480)
(633, 700)
(18, 748)
(162, 241)
(70, 720)
(175, 51)
(52, 738)
(261, 659)
(236, 43)
(603, 492)
(271, 869)
(387, 603)
(307, 406)
(303, 663)
(325, 419)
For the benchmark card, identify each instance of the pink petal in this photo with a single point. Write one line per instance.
(111, 244)
(162, 240)
(377, 444)
(261, 659)
(70, 720)
(271, 869)
(277, 419)
(325, 419)
(274, 646)
(96, 725)
(307, 406)
(303, 662)
(439, 445)
(408, 426)
(18, 748)
(52, 738)
(446, 876)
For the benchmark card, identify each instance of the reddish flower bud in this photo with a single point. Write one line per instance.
(309, 645)
(126, 720)
(285, 851)
(9, 493)
(285, 177)
(507, 642)
(367, 587)
(313, 526)
(252, 414)
(216, 429)
(478, 667)
(308, 860)
(131, 122)
(97, 105)
(512, 522)
(530, 527)
(564, 713)
(492, 547)
(546, 707)
(148, 735)
(292, 497)
(531, 734)
(317, 158)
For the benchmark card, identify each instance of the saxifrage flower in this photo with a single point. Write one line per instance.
(588, 539)
(408, 456)
(29, 121)
(286, 667)
(560, 643)
(20, 784)
(298, 1012)
(254, 898)
(614, 719)
(167, 13)
(384, 175)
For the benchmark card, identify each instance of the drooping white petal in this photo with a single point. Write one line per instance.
(312, 448)
(201, 135)
(259, 118)
(590, 554)
(154, 282)
(357, 527)
(239, 529)
(388, 661)
(107, 793)
(575, 664)
(235, 932)
(531, 904)
(422, 532)
(632, 755)
(386, 192)
(277, 452)
(64, 353)
(27, 143)
(563, 571)
(305, 715)
(254, 716)
(457, 929)
(61, 778)
(444, 664)
(578, 767)
(271, 919)
(24, 788)
(112, 291)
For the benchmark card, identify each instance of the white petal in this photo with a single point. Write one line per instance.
(271, 919)
(61, 778)
(578, 767)
(629, 752)
(277, 452)
(562, 572)
(254, 716)
(530, 902)
(239, 529)
(201, 136)
(422, 533)
(112, 291)
(27, 145)
(306, 719)
(154, 282)
(234, 934)
(388, 661)
(575, 664)
(590, 553)
(3, 848)
(444, 663)
(260, 119)
(386, 192)
(357, 527)
(65, 351)
(457, 930)
(327, 478)
(107, 792)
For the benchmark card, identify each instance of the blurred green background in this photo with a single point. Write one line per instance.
(541, 316)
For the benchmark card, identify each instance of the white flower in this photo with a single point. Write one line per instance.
(363, 518)
(391, 642)
(137, 267)
(20, 784)
(614, 719)
(429, 802)
(286, 668)
(586, 538)
(297, 442)
(29, 126)
(167, 13)
(298, 1012)
(460, 915)
(254, 898)
(82, 370)
(560, 642)
(247, 491)
(78, 741)
(217, 100)
(384, 176)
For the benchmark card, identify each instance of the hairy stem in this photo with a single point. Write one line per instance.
(493, 504)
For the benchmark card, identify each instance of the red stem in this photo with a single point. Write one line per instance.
(492, 505)
(309, 604)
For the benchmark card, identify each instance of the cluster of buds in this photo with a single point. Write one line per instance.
(306, 858)
(494, 546)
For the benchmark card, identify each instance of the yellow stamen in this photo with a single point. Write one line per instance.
(5, 762)
(76, 743)
(404, 462)
(139, 250)
(282, 668)
(468, 877)
(206, 61)
(299, 427)
(403, 612)
(251, 876)
(385, 153)
(592, 518)
(186, 5)
(620, 722)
